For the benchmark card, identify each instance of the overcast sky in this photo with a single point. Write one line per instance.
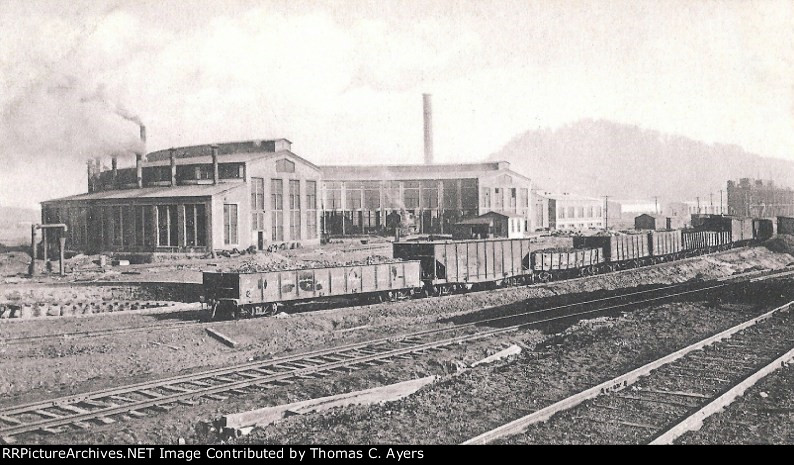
(343, 80)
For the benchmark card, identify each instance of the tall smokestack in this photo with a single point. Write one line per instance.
(90, 165)
(428, 111)
(139, 158)
(139, 170)
(115, 176)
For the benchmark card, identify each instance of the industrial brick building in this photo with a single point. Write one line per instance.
(759, 198)
(195, 199)
(257, 193)
(376, 199)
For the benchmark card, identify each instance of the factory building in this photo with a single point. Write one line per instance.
(575, 212)
(432, 198)
(195, 199)
(759, 198)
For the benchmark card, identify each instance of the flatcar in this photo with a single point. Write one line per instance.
(237, 294)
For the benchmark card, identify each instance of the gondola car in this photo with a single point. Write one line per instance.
(623, 251)
(449, 266)
(550, 265)
(666, 245)
(236, 294)
(764, 229)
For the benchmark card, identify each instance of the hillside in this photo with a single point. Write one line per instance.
(601, 157)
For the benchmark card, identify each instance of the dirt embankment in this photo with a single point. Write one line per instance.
(463, 406)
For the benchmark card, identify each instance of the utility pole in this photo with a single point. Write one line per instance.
(606, 213)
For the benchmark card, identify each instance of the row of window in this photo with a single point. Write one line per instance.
(516, 197)
(277, 194)
(373, 195)
(579, 212)
(230, 224)
(133, 225)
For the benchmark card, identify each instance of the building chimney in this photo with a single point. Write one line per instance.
(115, 166)
(143, 134)
(215, 164)
(172, 152)
(97, 174)
(90, 165)
(428, 111)
(139, 169)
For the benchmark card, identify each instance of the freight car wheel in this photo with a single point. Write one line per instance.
(545, 277)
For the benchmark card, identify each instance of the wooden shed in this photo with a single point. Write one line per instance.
(652, 222)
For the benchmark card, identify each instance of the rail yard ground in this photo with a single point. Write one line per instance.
(556, 362)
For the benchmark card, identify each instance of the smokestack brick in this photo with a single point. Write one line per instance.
(428, 120)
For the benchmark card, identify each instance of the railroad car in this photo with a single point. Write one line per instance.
(666, 245)
(764, 229)
(741, 229)
(549, 265)
(624, 251)
(455, 265)
(235, 294)
(700, 242)
(785, 225)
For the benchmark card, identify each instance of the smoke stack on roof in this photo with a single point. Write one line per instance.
(428, 112)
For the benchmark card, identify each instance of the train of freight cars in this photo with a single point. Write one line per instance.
(428, 268)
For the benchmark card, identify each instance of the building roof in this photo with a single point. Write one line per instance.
(194, 190)
(475, 221)
(485, 218)
(573, 197)
(434, 171)
(229, 158)
(653, 215)
(224, 148)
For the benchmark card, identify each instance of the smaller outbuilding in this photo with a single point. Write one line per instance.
(491, 224)
(652, 222)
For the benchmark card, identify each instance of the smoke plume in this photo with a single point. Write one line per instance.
(65, 117)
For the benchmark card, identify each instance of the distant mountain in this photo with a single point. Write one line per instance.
(15, 224)
(13, 216)
(627, 162)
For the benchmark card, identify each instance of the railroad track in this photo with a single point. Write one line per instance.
(137, 400)
(661, 400)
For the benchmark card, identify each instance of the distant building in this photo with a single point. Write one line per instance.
(540, 211)
(362, 199)
(567, 212)
(759, 198)
(195, 199)
(491, 224)
(652, 222)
